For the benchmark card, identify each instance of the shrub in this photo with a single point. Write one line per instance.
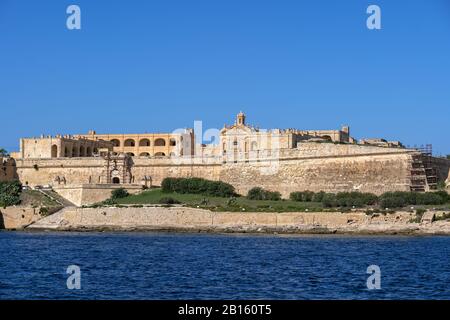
(430, 198)
(258, 193)
(10, 193)
(318, 197)
(119, 194)
(273, 195)
(43, 211)
(420, 212)
(401, 199)
(444, 195)
(329, 200)
(355, 199)
(197, 186)
(168, 200)
(305, 196)
(391, 201)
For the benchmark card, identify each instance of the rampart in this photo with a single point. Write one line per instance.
(313, 166)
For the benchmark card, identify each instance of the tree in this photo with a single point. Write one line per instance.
(3, 152)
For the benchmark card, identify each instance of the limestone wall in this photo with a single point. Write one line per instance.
(442, 167)
(18, 217)
(312, 166)
(377, 174)
(7, 169)
(74, 170)
(182, 218)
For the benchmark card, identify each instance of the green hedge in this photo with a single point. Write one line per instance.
(401, 199)
(261, 194)
(359, 199)
(10, 193)
(305, 196)
(198, 186)
(119, 194)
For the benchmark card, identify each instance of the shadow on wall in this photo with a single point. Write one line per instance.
(2, 222)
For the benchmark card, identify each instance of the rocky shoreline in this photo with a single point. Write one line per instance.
(190, 220)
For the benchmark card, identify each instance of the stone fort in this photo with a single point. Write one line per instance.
(85, 167)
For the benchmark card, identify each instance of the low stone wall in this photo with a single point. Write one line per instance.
(86, 194)
(18, 217)
(190, 219)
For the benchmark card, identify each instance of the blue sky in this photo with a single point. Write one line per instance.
(154, 66)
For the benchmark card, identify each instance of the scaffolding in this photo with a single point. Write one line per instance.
(423, 171)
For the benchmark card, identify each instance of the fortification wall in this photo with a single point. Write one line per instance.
(74, 170)
(312, 166)
(187, 219)
(7, 169)
(442, 168)
(374, 173)
(18, 217)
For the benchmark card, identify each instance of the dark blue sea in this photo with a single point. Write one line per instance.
(204, 266)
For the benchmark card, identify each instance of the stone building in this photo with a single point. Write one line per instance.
(246, 140)
(285, 160)
(148, 144)
(61, 147)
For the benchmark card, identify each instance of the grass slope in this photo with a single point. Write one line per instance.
(221, 204)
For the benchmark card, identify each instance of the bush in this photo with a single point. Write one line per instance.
(391, 201)
(119, 194)
(198, 186)
(305, 196)
(10, 193)
(168, 200)
(355, 199)
(401, 199)
(258, 193)
(273, 195)
(329, 200)
(318, 197)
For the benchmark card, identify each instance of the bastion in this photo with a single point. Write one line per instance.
(85, 168)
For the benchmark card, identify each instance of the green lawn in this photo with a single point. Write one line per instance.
(221, 204)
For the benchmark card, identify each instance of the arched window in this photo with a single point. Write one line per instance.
(327, 138)
(160, 154)
(129, 143)
(115, 142)
(144, 143)
(66, 152)
(144, 154)
(116, 180)
(172, 142)
(74, 152)
(54, 151)
(82, 154)
(160, 142)
(88, 152)
(131, 154)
